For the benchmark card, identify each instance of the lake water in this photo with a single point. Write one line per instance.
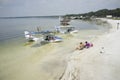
(15, 27)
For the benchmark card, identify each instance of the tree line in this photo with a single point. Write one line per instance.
(99, 13)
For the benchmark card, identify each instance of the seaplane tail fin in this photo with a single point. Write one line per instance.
(26, 32)
(28, 35)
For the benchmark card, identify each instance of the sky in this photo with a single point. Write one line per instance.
(13, 8)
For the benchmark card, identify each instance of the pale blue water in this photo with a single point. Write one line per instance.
(15, 27)
(11, 28)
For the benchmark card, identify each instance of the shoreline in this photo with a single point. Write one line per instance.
(91, 63)
(46, 62)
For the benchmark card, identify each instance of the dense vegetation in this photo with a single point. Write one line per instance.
(100, 13)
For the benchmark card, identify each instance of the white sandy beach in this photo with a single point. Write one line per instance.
(90, 64)
(60, 61)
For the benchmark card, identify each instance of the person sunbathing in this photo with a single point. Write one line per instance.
(80, 47)
(87, 45)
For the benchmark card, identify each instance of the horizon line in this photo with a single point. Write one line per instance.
(29, 16)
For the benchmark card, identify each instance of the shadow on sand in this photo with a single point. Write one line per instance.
(39, 44)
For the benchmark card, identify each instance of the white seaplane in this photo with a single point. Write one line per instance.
(65, 27)
(46, 37)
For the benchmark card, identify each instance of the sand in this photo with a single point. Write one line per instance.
(60, 61)
(100, 62)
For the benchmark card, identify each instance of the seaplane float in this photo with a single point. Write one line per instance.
(66, 29)
(46, 36)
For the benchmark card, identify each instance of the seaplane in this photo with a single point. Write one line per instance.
(65, 27)
(46, 37)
